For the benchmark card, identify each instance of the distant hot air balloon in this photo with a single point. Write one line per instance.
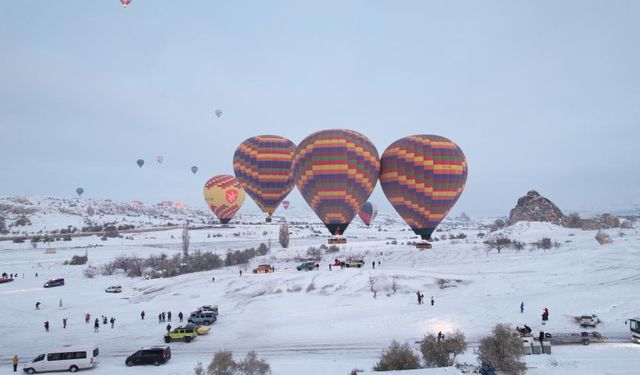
(79, 191)
(159, 159)
(368, 213)
(140, 163)
(423, 177)
(125, 2)
(262, 165)
(224, 196)
(218, 113)
(136, 203)
(336, 171)
(285, 204)
(194, 169)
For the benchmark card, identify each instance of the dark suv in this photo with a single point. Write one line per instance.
(154, 355)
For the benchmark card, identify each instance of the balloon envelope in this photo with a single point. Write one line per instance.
(368, 213)
(262, 165)
(125, 2)
(218, 113)
(194, 169)
(285, 204)
(423, 176)
(159, 158)
(224, 196)
(140, 163)
(336, 171)
(79, 191)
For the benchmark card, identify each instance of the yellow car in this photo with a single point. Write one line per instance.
(200, 330)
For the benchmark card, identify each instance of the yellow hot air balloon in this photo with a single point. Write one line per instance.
(224, 196)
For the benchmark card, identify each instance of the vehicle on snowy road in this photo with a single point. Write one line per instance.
(153, 355)
(114, 289)
(203, 317)
(263, 268)
(589, 320)
(181, 333)
(307, 266)
(64, 359)
(54, 282)
(634, 327)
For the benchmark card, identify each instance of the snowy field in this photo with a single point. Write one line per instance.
(331, 321)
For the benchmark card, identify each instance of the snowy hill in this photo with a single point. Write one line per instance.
(328, 321)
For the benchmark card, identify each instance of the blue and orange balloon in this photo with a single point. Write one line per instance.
(423, 176)
(336, 171)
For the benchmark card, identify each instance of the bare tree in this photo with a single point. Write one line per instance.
(284, 235)
(185, 241)
(397, 357)
(136, 266)
(251, 365)
(222, 364)
(503, 350)
(443, 352)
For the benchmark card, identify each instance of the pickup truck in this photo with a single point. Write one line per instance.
(263, 268)
(589, 320)
(354, 263)
(307, 266)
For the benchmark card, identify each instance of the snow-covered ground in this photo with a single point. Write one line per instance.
(330, 321)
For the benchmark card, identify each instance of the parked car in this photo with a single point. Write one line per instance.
(64, 359)
(54, 282)
(114, 289)
(211, 308)
(181, 333)
(200, 330)
(263, 268)
(203, 317)
(354, 263)
(589, 320)
(153, 355)
(307, 266)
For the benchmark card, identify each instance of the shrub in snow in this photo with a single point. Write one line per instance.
(603, 238)
(224, 364)
(90, 272)
(397, 357)
(503, 350)
(442, 353)
(77, 260)
(263, 249)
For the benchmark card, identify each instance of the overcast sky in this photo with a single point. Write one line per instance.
(539, 95)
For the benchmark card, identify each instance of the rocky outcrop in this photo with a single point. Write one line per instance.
(535, 207)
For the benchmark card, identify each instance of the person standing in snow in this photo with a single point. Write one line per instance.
(87, 318)
(46, 325)
(64, 323)
(169, 315)
(15, 361)
(96, 325)
(112, 321)
(142, 314)
(432, 301)
(240, 273)
(418, 296)
(164, 317)
(545, 316)
(168, 328)
(38, 305)
(213, 279)
(522, 307)
(373, 264)
(180, 316)
(104, 320)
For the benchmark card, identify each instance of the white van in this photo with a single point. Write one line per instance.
(68, 358)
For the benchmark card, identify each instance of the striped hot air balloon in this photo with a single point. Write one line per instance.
(423, 176)
(336, 171)
(262, 165)
(286, 204)
(368, 213)
(224, 196)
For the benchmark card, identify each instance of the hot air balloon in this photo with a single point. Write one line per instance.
(368, 213)
(224, 196)
(262, 165)
(218, 113)
(140, 163)
(125, 2)
(79, 191)
(336, 171)
(423, 177)
(159, 159)
(285, 204)
(194, 169)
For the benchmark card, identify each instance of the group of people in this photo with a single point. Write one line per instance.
(87, 319)
(10, 275)
(421, 298)
(164, 317)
